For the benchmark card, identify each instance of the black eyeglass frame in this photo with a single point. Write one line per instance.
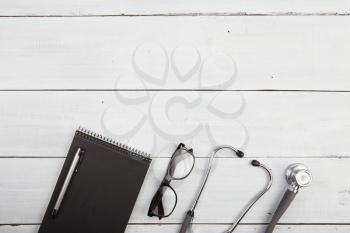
(157, 198)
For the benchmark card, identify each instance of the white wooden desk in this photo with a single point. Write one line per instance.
(272, 78)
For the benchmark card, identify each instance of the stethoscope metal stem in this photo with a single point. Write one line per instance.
(297, 176)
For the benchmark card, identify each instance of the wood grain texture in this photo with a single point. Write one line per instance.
(203, 229)
(122, 7)
(29, 184)
(283, 53)
(263, 124)
(192, 45)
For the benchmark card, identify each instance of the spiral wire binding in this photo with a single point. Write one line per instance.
(134, 152)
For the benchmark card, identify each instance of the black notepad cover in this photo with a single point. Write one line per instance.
(102, 194)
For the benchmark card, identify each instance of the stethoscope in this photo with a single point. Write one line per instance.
(297, 176)
(190, 214)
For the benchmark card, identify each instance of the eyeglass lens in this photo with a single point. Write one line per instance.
(181, 164)
(168, 200)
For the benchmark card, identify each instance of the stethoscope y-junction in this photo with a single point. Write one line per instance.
(190, 214)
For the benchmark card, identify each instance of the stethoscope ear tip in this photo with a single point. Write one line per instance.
(239, 153)
(256, 163)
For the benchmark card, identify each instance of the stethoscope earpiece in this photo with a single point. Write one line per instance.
(239, 153)
(255, 163)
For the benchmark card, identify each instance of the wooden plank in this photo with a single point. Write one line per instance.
(203, 228)
(263, 124)
(122, 7)
(284, 53)
(29, 184)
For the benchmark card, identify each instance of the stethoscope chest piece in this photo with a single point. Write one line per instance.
(298, 175)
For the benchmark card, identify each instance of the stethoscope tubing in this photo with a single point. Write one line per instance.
(207, 173)
(190, 214)
(255, 199)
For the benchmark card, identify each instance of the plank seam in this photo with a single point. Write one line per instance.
(175, 90)
(202, 157)
(212, 224)
(182, 14)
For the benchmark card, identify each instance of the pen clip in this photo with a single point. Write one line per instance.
(72, 169)
(81, 155)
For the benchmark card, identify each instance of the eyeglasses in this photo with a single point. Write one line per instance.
(180, 166)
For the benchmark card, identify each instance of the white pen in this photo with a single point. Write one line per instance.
(72, 170)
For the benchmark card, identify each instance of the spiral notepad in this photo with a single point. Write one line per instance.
(97, 188)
